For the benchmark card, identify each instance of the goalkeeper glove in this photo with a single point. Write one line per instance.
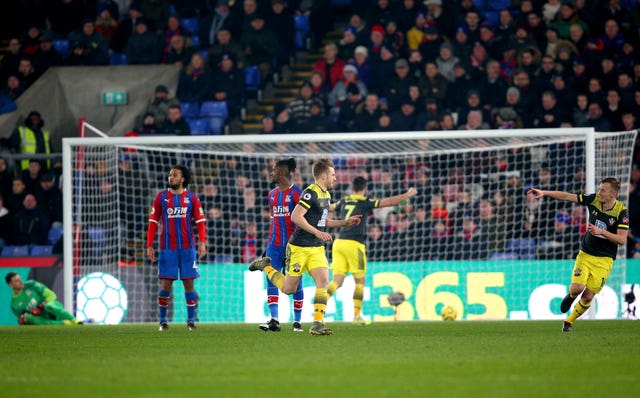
(36, 311)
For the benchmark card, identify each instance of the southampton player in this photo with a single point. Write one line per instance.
(305, 251)
(349, 252)
(35, 304)
(608, 228)
(282, 201)
(175, 207)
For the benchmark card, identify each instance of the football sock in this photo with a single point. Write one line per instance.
(358, 294)
(333, 286)
(191, 298)
(276, 277)
(272, 300)
(163, 304)
(319, 304)
(298, 299)
(578, 310)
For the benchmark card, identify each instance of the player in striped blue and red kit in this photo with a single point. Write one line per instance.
(282, 200)
(175, 208)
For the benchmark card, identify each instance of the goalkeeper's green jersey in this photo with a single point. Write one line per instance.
(33, 294)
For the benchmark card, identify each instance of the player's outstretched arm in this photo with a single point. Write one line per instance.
(353, 220)
(559, 195)
(394, 200)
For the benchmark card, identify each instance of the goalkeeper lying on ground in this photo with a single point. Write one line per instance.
(35, 304)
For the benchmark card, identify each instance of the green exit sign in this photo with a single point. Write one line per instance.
(113, 98)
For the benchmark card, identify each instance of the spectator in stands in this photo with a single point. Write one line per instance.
(14, 87)
(446, 61)
(128, 26)
(157, 11)
(95, 45)
(562, 243)
(369, 112)
(106, 25)
(613, 110)
(348, 43)
(300, 108)
(397, 88)
(285, 122)
(596, 119)
(317, 122)
(18, 192)
(225, 44)
(78, 55)
(339, 92)
(11, 59)
(347, 112)
(549, 115)
(429, 48)
(228, 84)
(330, 66)
(6, 178)
(6, 223)
(629, 121)
(211, 23)
(492, 226)
(474, 121)
(416, 35)
(362, 63)
(196, 81)
(31, 176)
(149, 125)
(404, 118)
(626, 90)
(280, 22)
(49, 197)
(383, 70)
(31, 138)
(260, 46)
(31, 40)
(473, 103)
(31, 224)
(580, 110)
(175, 123)
(433, 84)
(172, 28)
(143, 46)
(268, 125)
(406, 14)
(506, 118)
(46, 56)
(319, 89)
(442, 17)
(26, 73)
(395, 39)
(178, 52)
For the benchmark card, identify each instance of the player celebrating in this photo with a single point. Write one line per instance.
(176, 207)
(305, 250)
(282, 200)
(35, 304)
(608, 228)
(349, 254)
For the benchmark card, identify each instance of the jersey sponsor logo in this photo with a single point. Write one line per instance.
(180, 212)
(323, 220)
(612, 221)
(600, 224)
(281, 211)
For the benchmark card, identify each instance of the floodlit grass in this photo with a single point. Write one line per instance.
(412, 359)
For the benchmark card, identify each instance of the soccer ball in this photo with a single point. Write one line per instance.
(449, 313)
(101, 297)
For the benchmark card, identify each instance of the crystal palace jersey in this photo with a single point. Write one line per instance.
(613, 219)
(316, 201)
(281, 204)
(353, 205)
(174, 213)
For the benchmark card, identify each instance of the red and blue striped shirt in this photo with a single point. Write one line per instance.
(281, 205)
(176, 211)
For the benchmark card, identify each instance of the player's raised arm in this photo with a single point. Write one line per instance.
(559, 195)
(394, 200)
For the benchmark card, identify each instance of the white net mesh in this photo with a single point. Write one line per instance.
(471, 217)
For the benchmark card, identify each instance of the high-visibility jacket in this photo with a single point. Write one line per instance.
(28, 143)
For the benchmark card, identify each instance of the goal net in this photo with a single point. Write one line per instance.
(472, 238)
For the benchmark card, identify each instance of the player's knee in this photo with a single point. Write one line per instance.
(25, 319)
(289, 289)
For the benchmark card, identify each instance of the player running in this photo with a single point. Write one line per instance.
(608, 228)
(35, 304)
(305, 250)
(175, 207)
(282, 201)
(349, 251)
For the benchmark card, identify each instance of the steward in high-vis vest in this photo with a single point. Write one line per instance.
(31, 138)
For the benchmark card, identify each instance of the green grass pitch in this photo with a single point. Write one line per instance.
(404, 359)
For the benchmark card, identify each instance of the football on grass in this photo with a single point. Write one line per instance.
(448, 313)
(102, 298)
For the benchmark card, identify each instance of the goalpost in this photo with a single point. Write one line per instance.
(471, 238)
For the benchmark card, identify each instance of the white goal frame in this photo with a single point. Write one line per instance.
(586, 134)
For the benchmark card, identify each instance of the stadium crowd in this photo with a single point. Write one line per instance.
(399, 66)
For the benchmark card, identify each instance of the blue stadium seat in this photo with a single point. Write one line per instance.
(118, 59)
(98, 237)
(204, 53)
(498, 5)
(492, 16)
(525, 249)
(216, 124)
(199, 126)
(214, 108)
(41, 250)
(302, 30)
(481, 4)
(55, 233)
(15, 251)
(190, 110)
(190, 24)
(224, 259)
(61, 46)
(497, 256)
(252, 78)
(195, 40)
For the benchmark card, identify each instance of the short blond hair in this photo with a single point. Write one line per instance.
(321, 166)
